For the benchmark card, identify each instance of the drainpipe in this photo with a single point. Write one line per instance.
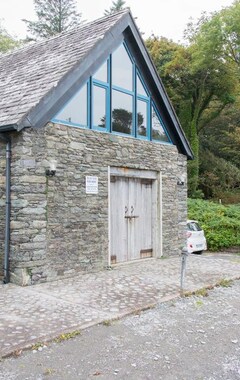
(6, 274)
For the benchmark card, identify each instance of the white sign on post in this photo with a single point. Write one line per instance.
(91, 185)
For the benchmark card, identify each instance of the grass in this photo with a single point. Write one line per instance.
(204, 292)
(67, 336)
(58, 339)
(107, 322)
(37, 345)
(224, 283)
(199, 303)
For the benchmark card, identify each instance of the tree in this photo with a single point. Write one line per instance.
(7, 42)
(222, 136)
(217, 175)
(202, 77)
(219, 170)
(121, 120)
(219, 33)
(54, 16)
(117, 5)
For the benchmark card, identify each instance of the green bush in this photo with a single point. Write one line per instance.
(220, 223)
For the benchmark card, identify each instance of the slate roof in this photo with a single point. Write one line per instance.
(37, 79)
(27, 74)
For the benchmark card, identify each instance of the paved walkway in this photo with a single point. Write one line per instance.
(38, 313)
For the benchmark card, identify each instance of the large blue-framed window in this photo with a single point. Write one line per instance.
(116, 99)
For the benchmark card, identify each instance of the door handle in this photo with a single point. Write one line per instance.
(130, 216)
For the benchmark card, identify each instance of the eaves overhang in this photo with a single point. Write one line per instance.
(8, 128)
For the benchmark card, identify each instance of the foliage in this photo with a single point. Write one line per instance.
(217, 174)
(37, 345)
(54, 16)
(163, 53)
(219, 171)
(122, 120)
(222, 135)
(220, 223)
(228, 197)
(7, 42)
(117, 5)
(218, 34)
(67, 336)
(192, 90)
(107, 322)
(202, 292)
(202, 78)
(224, 283)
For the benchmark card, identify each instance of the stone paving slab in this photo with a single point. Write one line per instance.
(41, 312)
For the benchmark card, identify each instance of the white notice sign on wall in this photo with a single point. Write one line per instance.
(91, 185)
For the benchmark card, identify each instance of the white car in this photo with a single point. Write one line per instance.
(196, 241)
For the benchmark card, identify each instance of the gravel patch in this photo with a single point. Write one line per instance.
(193, 338)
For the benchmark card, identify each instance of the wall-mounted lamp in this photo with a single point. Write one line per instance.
(52, 169)
(181, 180)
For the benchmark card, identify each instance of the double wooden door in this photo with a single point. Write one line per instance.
(131, 218)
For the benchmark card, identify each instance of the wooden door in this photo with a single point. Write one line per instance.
(131, 218)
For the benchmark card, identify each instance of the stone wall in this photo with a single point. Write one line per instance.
(56, 228)
(28, 210)
(2, 202)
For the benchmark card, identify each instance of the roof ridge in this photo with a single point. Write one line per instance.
(66, 32)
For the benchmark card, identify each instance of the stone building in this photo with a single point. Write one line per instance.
(92, 155)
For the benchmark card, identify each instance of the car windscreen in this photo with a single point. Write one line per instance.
(193, 226)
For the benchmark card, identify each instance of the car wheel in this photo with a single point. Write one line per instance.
(198, 252)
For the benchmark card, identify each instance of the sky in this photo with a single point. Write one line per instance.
(167, 18)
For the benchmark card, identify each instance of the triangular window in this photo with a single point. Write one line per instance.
(116, 99)
(140, 88)
(158, 130)
(102, 73)
(75, 111)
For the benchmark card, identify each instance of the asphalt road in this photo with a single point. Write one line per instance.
(194, 338)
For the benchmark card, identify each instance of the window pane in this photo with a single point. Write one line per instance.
(141, 118)
(158, 132)
(99, 106)
(122, 108)
(140, 88)
(76, 110)
(101, 73)
(122, 69)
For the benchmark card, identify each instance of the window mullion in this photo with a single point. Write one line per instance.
(134, 132)
(90, 102)
(109, 105)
